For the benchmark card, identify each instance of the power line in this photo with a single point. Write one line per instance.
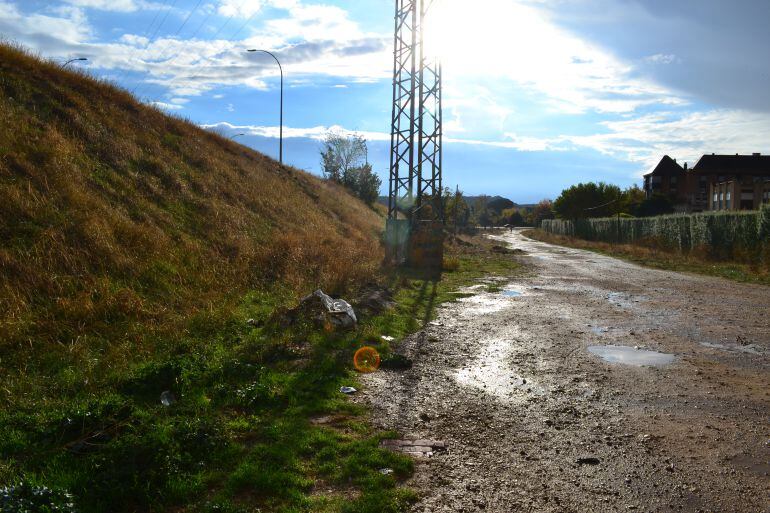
(225, 24)
(152, 38)
(144, 35)
(188, 17)
(244, 25)
(182, 26)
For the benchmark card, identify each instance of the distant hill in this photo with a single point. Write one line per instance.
(495, 203)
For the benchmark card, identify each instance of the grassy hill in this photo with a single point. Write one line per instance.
(112, 212)
(134, 247)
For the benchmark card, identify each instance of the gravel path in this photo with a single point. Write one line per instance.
(535, 421)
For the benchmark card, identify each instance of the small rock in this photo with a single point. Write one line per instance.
(348, 390)
(167, 398)
(589, 460)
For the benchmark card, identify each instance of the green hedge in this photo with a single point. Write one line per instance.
(718, 232)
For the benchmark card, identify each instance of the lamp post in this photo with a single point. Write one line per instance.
(73, 60)
(280, 143)
(236, 135)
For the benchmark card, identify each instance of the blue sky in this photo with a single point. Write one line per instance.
(538, 94)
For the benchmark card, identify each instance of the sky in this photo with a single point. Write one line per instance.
(538, 94)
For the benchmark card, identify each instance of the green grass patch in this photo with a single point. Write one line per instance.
(239, 435)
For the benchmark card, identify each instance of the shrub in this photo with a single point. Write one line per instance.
(721, 234)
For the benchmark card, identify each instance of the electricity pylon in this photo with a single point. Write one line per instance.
(416, 125)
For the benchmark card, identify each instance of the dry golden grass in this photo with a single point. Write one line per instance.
(118, 222)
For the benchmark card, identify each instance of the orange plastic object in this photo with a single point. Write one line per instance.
(366, 359)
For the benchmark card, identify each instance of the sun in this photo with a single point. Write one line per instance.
(487, 36)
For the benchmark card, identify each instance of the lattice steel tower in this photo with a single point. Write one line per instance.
(416, 132)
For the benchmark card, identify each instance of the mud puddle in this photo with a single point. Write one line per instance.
(492, 373)
(631, 356)
(735, 348)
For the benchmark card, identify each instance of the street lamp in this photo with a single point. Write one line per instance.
(236, 135)
(280, 143)
(73, 60)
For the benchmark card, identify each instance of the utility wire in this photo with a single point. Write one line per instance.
(144, 35)
(188, 18)
(604, 205)
(182, 26)
(224, 25)
(244, 25)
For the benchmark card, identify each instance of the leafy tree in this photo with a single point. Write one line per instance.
(656, 205)
(456, 209)
(588, 200)
(543, 210)
(367, 184)
(485, 218)
(344, 161)
(633, 198)
(512, 216)
(340, 154)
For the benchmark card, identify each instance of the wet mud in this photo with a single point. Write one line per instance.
(672, 414)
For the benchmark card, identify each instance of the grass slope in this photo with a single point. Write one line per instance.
(120, 223)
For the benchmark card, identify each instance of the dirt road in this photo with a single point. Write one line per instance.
(535, 421)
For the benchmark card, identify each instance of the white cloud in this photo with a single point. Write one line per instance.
(239, 8)
(106, 5)
(316, 132)
(685, 136)
(662, 58)
(310, 40)
(519, 43)
(166, 106)
(64, 31)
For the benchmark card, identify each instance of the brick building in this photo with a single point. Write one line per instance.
(715, 182)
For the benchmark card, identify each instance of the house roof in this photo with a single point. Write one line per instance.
(753, 164)
(666, 166)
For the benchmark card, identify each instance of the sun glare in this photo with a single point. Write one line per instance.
(497, 37)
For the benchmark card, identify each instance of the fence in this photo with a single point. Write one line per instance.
(717, 232)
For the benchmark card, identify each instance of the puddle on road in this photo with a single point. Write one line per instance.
(491, 372)
(624, 300)
(631, 356)
(512, 293)
(481, 304)
(735, 348)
